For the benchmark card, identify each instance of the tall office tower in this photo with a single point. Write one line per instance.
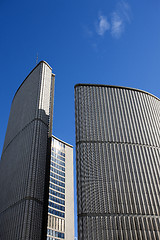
(25, 160)
(118, 163)
(61, 193)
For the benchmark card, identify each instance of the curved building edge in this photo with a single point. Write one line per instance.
(114, 86)
(69, 145)
(30, 74)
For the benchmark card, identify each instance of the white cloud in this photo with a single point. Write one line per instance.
(124, 9)
(119, 18)
(117, 25)
(102, 25)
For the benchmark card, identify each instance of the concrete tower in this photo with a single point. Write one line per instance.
(25, 157)
(26, 165)
(118, 163)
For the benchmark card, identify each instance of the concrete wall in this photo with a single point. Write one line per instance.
(69, 194)
(24, 156)
(118, 170)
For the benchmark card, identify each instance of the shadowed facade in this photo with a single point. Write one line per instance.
(25, 160)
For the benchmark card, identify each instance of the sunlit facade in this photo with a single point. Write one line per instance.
(118, 163)
(60, 224)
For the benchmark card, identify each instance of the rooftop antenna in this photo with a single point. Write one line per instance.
(37, 59)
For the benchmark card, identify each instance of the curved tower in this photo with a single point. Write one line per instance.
(118, 163)
(25, 160)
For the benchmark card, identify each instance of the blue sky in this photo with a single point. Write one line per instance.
(113, 42)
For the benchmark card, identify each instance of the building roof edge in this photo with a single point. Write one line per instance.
(30, 74)
(62, 141)
(114, 86)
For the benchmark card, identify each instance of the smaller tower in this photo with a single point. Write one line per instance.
(61, 195)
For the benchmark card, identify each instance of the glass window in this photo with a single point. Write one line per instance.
(57, 182)
(57, 166)
(58, 161)
(57, 171)
(58, 152)
(57, 156)
(57, 177)
(57, 194)
(55, 212)
(52, 198)
(54, 234)
(56, 187)
(51, 204)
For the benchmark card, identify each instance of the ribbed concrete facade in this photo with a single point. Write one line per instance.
(24, 165)
(118, 163)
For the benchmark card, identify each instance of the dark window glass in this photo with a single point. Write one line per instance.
(60, 195)
(57, 177)
(55, 212)
(58, 161)
(57, 166)
(57, 200)
(51, 204)
(57, 182)
(57, 171)
(56, 187)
